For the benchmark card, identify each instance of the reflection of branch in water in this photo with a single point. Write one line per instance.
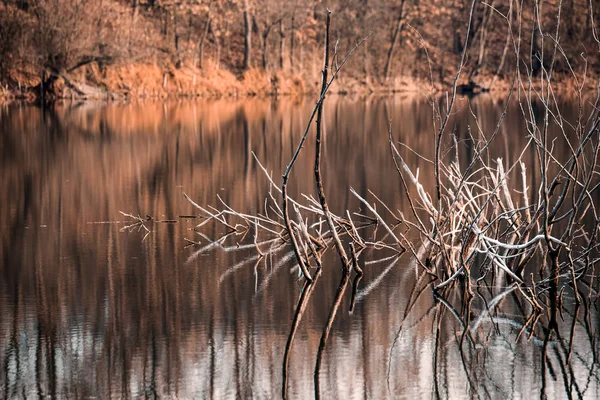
(235, 267)
(407, 310)
(590, 335)
(401, 330)
(308, 289)
(327, 329)
(464, 325)
(490, 306)
(282, 261)
(467, 333)
(212, 244)
(520, 326)
(257, 257)
(569, 350)
(377, 281)
(357, 278)
(568, 377)
(437, 321)
(140, 223)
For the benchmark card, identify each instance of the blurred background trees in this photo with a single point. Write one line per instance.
(54, 37)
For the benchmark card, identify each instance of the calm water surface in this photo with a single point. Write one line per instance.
(92, 309)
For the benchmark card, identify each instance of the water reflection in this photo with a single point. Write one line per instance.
(89, 310)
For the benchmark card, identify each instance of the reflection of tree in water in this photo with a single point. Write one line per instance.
(91, 311)
(486, 350)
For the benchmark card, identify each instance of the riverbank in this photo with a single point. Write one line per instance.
(149, 81)
(152, 81)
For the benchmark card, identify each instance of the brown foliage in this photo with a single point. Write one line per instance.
(414, 41)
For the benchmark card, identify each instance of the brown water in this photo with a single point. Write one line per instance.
(90, 309)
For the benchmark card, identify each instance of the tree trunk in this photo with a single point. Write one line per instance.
(265, 37)
(134, 16)
(164, 29)
(537, 52)
(292, 44)
(281, 37)
(203, 38)
(301, 55)
(264, 50)
(190, 28)
(569, 7)
(100, 25)
(506, 44)
(218, 44)
(396, 35)
(487, 14)
(247, 36)
(365, 66)
(178, 61)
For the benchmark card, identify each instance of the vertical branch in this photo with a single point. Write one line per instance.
(284, 193)
(438, 139)
(553, 251)
(318, 176)
(318, 109)
(325, 207)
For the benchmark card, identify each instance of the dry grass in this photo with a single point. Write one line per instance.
(140, 80)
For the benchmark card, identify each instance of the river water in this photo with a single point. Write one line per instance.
(92, 307)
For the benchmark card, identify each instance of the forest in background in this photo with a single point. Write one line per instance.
(148, 48)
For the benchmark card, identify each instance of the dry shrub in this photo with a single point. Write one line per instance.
(286, 83)
(256, 81)
(5, 95)
(137, 80)
(65, 32)
(11, 33)
(152, 80)
(215, 81)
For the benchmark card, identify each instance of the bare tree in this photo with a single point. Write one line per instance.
(247, 36)
(394, 42)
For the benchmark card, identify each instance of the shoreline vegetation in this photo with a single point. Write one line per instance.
(143, 81)
(135, 49)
